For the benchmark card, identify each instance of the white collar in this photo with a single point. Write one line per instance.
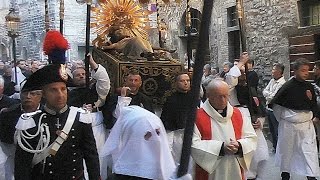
(53, 112)
(214, 114)
(278, 80)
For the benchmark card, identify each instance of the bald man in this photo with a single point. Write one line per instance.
(224, 139)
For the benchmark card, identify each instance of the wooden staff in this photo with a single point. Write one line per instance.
(46, 15)
(195, 87)
(46, 19)
(61, 14)
(244, 49)
(158, 23)
(87, 58)
(241, 25)
(15, 60)
(188, 28)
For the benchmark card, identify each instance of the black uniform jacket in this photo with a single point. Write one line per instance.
(68, 162)
(111, 102)
(8, 121)
(142, 100)
(176, 111)
(6, 102)
(78, 97)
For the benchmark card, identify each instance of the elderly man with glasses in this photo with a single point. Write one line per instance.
(30, 102)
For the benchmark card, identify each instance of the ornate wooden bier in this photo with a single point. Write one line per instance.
(157, 76)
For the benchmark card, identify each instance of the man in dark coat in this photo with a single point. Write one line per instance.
(242, 88)
(130, 95)
(97, 92)
(5, 101)
(175, 113)
(59, 138)
(175, 109)
(295, 107)
(8, 84)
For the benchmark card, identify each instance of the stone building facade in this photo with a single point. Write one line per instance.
(269, 25)
(32, 28)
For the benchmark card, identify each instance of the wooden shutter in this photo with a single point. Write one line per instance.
(305, 46)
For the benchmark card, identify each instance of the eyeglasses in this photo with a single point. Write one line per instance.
(32, 93)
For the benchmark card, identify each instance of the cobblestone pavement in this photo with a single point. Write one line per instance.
(272, 172)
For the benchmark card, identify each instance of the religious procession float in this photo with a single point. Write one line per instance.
(122, 45)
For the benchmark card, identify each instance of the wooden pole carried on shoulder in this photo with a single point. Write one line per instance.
(87, 58)
(243, 39)
(61, 14)
(188, 29)
(195, 87)
(46, 15)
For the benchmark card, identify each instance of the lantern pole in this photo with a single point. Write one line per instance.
(13, 22)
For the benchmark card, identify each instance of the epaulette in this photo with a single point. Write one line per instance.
(85, 116)
(26, 120)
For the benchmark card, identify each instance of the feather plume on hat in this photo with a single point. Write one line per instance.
(55, 46)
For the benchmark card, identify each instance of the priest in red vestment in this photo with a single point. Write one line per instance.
(224, 139)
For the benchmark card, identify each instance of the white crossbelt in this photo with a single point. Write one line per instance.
(62, 137)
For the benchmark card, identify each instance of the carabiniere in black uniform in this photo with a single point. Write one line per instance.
(67, 163)
(38, 154)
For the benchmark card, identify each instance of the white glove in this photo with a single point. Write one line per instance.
(17, 88)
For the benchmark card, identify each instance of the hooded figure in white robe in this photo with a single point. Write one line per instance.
(139, 147)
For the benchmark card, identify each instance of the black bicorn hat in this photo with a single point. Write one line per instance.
(48, 74)
(29, 85)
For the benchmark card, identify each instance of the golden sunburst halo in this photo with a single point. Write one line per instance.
(109, 14)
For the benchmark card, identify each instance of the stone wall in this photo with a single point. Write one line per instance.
(222, 35)
(75, 28)
(267, 24)
(32, 30)
(172, 14)
(218, 47)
